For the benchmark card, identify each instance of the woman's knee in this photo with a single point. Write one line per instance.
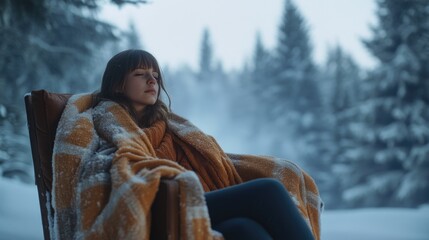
(269, 185)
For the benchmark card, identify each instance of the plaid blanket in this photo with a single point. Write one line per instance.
(107, 171)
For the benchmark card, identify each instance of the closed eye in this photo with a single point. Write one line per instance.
(143, 75)
(147, 75)
(155, 75)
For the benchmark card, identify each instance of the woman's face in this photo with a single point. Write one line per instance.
(141, 87)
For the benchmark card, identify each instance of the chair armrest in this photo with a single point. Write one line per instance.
(165, 211)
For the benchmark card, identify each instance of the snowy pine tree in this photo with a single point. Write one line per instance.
(295, 80)
(260, 72)
(391, 155)
(342, 94)
(344, 74)
(206, 63)
(295, 102)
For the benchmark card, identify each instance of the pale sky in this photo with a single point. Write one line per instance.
(172, 29)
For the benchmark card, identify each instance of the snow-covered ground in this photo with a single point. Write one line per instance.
(19, 211)
(20, 219)
(376, 223)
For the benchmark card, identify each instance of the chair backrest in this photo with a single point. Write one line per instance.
(44, 110)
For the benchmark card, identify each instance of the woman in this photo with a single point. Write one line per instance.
(133, 79)
(155, 137)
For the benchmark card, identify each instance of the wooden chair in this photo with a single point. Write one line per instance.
(43, 113)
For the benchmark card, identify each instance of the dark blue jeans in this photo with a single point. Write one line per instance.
(258, 209)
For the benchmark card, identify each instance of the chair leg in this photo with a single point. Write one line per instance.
(165, 211)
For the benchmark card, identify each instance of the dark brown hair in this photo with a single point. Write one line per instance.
(114, 78)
